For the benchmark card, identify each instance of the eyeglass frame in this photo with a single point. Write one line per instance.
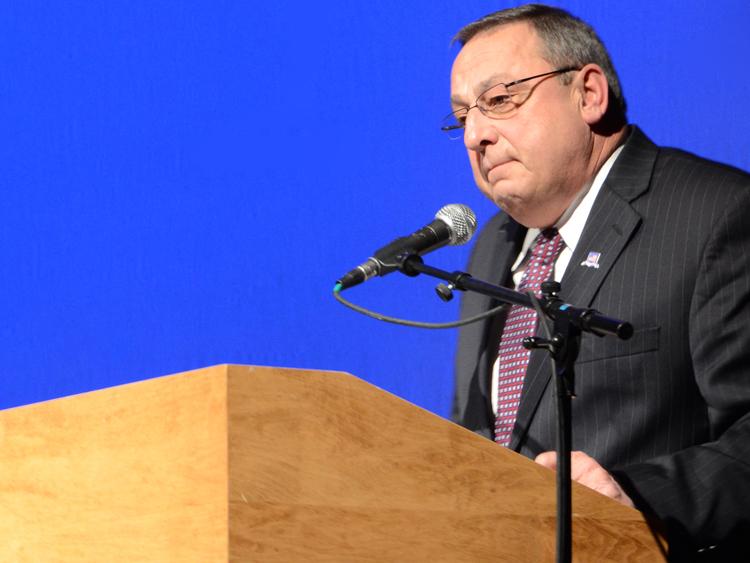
(450, 128)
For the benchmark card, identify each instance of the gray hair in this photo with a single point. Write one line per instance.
(566, 41)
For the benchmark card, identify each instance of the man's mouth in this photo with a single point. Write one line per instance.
(496, 169)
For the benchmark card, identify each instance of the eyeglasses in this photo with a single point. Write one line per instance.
(497, 102)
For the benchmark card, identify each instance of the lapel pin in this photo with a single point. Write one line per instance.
(592, 260)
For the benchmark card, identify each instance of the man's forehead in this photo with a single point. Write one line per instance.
(495, 55)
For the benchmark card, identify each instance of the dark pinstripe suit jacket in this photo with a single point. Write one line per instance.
(668, 411)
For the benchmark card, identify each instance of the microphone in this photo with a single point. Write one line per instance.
(454, 225)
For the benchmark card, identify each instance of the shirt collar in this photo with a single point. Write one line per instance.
(571, 223)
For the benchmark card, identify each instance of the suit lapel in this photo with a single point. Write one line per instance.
(608, 230)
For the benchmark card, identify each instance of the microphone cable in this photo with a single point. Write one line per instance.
(415, 324)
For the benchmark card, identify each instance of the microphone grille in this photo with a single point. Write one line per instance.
(461, 222)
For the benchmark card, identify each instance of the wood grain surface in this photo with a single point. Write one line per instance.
(131, 473)
(268, 464)
(325, 467)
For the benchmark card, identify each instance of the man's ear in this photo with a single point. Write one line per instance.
(591, 84)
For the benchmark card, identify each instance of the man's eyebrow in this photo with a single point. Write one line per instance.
(491, 81)
(483, 86)
(458, 102)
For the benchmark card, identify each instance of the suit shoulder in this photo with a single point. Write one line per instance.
(499, 226)
(498, 238)
(498, 221)
(673, 162)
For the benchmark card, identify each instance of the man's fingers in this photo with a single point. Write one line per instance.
(547, 459)
(583, 466)
(586, 470)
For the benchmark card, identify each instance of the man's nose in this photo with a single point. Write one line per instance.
(479, 130)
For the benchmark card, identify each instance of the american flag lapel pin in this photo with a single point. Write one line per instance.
(592, 260)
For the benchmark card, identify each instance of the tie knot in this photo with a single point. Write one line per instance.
(547, 245)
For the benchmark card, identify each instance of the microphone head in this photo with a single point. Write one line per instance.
(461, 221)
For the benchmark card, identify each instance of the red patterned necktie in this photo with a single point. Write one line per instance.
(513, 358)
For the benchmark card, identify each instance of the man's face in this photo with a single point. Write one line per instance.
(533, 162)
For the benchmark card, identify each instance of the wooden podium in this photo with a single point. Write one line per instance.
(266, 464)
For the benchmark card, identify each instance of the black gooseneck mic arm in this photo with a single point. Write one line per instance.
(587, 320)
(563, 345)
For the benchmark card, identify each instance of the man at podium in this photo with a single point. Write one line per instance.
(655, 236)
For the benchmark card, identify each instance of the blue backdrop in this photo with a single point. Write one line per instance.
(182, 182)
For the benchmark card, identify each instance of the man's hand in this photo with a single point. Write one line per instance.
(587, 471)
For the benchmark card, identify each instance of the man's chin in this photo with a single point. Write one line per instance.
(500, 195)
(519, 211)
(507, 203)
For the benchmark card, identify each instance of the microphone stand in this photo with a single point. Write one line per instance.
(569, 323)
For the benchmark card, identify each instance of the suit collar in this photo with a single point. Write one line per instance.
(631, 173)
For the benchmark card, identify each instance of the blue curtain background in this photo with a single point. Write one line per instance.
(183, 181)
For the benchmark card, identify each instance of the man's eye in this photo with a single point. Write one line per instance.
(497, 101)
(460, 116)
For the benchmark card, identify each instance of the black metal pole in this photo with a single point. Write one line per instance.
(570, 337)
(563, 345)
(564, 489)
